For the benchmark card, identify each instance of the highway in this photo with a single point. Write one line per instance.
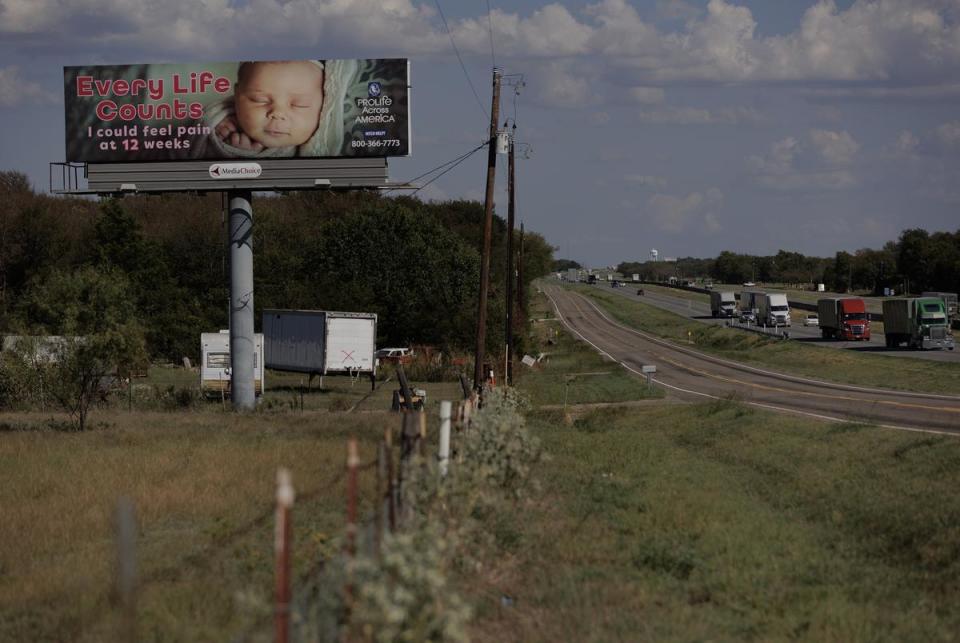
(690, 375)
(699, 309)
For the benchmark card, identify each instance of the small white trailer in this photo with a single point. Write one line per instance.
(215, 364)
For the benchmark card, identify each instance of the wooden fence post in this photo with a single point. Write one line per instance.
(281, 546)
(353, 461)
(443, 454)
(391, 481)
(126, 581)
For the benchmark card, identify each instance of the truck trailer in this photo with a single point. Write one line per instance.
(919, 322)
(750, 300)
(320, 342)
(843, 318)
(773, 309)
(722, 304)
(215, 364)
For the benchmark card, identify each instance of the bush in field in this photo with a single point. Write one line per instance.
(89, 332)
(408, 594)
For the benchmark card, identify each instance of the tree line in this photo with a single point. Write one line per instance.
(161, 264)
(917, 261)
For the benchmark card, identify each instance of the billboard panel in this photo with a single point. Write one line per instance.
(239, 110)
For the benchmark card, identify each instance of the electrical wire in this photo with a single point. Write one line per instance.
(456, 161)
(462, 66)
(461, 160)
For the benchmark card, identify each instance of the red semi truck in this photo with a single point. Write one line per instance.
(844, 318)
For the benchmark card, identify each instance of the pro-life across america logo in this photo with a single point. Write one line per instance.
(374, 89)
(235, 170)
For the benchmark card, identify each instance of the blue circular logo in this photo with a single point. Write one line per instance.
(374, 89)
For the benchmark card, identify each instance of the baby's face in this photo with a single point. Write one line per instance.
(278, 104)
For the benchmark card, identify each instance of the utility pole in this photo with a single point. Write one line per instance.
(478, 374)
(520, 300)
(508, 377)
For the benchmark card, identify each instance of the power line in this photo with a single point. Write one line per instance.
(461, 160)
(455, 161)
(493, 58)
(462, 66)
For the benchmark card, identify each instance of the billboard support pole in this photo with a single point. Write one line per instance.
(508, 375)
(242, 340)
(478, 375)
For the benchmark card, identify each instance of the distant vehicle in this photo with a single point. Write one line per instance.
(747, 316)
(640, 291)
(843, 318)
(920, 322)
(722, 304)
(636, 278)
(749, 284)
(773, 309)
(614, 284)
(591, 279)
(811, 320)
(750, 300)
(949, 302)
(395, 355)
(215, 364)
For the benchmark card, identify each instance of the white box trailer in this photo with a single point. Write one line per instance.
(321, 342)
(215, 364)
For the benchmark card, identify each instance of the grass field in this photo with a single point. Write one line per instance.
(656, 522)
(786, 356)
(720, 522)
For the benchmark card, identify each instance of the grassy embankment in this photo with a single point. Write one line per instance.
(849, 367)
(720, 522)
(203, 483)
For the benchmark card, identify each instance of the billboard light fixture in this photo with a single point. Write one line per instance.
(321, 182)
(128, 187)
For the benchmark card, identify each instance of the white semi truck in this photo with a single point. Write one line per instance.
(722, 304)
(774, 310)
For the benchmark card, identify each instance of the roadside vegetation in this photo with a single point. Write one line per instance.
(847, 367)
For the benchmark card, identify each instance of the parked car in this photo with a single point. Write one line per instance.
(395, 355)
(747, 317)
(811, 320)
(749, 284)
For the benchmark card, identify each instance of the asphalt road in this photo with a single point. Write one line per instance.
(691, 375)
(699, 310)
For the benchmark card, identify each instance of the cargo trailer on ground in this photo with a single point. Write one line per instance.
(321, 342)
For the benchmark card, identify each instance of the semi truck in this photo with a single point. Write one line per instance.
(750, 300)
(918, 322)
(843, 318)
(320, 342)
(949, 301)
(773, 309)
(722, 304)
(215, 364)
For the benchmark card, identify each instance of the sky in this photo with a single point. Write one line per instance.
(689, 126)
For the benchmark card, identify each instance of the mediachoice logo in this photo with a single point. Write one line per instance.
(235, 170)
(374, 89)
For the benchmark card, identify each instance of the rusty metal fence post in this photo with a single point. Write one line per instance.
(281, 545)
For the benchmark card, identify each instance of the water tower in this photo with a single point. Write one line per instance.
(654, 255)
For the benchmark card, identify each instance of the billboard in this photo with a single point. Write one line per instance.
(241, 110)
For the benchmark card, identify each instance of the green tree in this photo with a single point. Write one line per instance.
(97, 334)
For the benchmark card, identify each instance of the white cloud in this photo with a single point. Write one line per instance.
(836, 148)
(563, 84)
(894, 45)
(15, 90)
(646, 181)
(676, 214)
(647, 95)
(700, 116)
(906, 143)
(949, 133)
(781, 167)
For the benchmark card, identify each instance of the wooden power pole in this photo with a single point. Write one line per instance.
(478, 375)
(508, 376)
